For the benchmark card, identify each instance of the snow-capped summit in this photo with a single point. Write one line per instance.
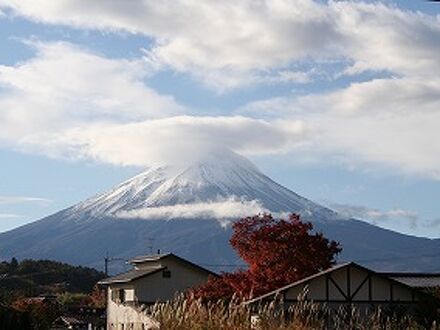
(219, 179)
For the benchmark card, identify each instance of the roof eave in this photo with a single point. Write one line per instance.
(124, 281)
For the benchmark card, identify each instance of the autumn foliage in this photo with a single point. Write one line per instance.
(277, 251)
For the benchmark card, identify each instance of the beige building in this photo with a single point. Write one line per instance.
(154, 278)
(352, 284)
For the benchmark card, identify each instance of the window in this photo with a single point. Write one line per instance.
(118, 295)
(166, 273)
(121, 295)
(114, 295)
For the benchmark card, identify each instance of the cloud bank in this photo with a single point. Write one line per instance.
(377, 216)
(23, 199)
(394, 219)
(9, 216)
(224, 210)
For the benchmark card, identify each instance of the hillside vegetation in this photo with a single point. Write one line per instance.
(36, 277)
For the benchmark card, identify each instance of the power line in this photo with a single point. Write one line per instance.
(150, 244)
(399, 258)
(108, 259)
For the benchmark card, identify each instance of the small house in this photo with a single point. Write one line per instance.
(154, 278)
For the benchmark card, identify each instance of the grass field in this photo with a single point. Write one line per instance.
(186, 314)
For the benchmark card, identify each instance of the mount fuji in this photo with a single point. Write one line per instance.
(188, 210)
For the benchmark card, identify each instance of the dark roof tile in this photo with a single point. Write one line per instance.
(130, 275)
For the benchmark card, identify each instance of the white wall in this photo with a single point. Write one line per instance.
(150, 289)
(155, 287)
(129, 316)
(380, 288)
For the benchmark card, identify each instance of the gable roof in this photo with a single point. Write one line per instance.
(135, 274)
(157, 257)
(304, 280)
(131, 275)
(324, 272)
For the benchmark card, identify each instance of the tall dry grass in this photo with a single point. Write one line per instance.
(189, 314)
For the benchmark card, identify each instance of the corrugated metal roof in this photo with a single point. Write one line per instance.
(419, 281)
(130, 275)
(415, 280)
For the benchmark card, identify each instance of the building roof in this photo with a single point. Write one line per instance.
(157, 257)
(134, 274)
(324, 272)
(130, 275)
(416, 280)
(149, 257)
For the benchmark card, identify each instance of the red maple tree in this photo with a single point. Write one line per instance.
(277, 251)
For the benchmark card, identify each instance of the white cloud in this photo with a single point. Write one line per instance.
(434, 223)
(376, 216)
(101, 109)
(228, 43)
(223, 210)
(403, 143)
(397, 219)
(9, 216)
(66, 86)
(389, 122)
(398, 96)
(382, 37)
(169, 140)
(69, 103)
(23, 199)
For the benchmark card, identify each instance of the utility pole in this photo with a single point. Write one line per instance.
(106, 264)
(108, 259)
(151, 244)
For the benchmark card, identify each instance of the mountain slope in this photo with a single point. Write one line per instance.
(179, 209)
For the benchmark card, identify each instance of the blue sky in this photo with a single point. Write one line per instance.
(338, 101)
